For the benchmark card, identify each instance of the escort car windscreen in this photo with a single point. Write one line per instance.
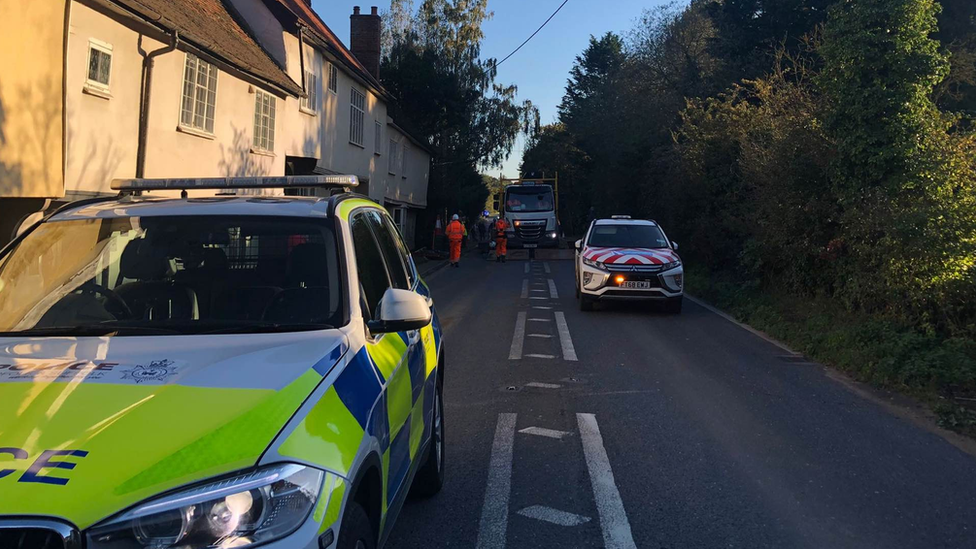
(627, 236)
(171, 275)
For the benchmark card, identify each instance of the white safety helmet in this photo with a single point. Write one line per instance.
(455, 217)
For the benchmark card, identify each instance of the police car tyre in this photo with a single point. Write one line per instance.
(356, 531)
(585, 302)
(430, 477)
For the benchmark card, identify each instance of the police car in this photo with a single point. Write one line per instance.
(628, 259)
(223, 371)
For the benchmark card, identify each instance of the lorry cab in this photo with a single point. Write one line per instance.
(531, 213)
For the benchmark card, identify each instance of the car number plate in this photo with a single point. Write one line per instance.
(637, 285)
(531, 245)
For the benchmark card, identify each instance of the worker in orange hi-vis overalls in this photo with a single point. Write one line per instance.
(501, 239)
(455, 232)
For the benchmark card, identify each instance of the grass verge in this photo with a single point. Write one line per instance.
(881, 351)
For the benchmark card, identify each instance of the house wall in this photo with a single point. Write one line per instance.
(31, 98)
(103, 130)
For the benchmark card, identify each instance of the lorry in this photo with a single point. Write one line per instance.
(529, 206)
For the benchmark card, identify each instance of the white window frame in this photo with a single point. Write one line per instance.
(399, 217)
(309, 103)
(264, 118)
(404, 149)
(394, 148)
(378, 138)
(333, 79)
(101, 47)
(190, 126)
(357, 117)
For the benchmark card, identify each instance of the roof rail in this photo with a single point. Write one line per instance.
(199, 183)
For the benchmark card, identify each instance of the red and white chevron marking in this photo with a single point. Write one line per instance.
(631, 256)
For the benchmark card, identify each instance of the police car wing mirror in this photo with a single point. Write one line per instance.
(579, 245)
(400, 311)
(674, 245)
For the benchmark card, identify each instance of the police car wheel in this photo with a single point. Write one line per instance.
(430, 476)
(357, 531)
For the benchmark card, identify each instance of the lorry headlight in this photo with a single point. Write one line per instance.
(244, 511)
(553, 234)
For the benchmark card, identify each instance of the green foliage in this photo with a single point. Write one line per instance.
(826, 161)
(449, 96)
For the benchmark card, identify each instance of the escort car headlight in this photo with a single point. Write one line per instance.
(595, 264)
(672, 265)
(243, 511)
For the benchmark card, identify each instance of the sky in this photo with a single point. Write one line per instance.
(541, 68)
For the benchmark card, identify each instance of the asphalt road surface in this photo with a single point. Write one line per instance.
(628, 427)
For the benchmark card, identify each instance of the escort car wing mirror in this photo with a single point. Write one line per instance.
(579, 245)
(674, 245)
(400, 311)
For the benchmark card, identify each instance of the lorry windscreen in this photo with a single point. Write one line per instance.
(528, 199)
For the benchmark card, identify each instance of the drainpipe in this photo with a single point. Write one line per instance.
(147, 72)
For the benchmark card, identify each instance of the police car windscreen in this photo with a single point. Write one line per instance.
(529, 199)
(627, 236)
(171, 275)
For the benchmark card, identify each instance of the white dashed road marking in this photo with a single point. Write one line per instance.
(543, 432)
(543, 336)
(565, 341)
(518, 338)
(539, 320)
(533, 355)
(526, 268)
(546, 266)
(494, 512)
(555, 516)
(525, 288)
(540, 385)
(613, 518)
(553, 293)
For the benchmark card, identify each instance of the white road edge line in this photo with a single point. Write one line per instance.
(494, 511)
(553, 293)
(525, 288)
(613, 517)
(518, 339)
(546, 266)
(745, 327)
(565, 341)
(554, 516)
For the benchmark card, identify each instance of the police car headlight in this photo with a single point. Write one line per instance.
(243, 511)
(594, 264)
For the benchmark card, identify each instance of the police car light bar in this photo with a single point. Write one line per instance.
(620, 217)
(201, 183)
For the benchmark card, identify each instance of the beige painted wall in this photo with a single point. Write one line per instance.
(103, 131)
(31, 98)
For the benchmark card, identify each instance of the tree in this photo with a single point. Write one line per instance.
(448, 95)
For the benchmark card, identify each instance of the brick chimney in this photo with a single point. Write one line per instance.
(364, 37)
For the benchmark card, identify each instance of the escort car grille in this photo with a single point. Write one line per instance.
(37, 534)
(634, 268)
(531, 231)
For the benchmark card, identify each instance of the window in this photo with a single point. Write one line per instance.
(310, 101)
(264, 121)
(186, 274)
(199, 94)
(377, 138)
(398, 215)
(394, 147)
(373, 280)
(403, 159)
(387, 237)
(627, 236)
(357, 117)
(99, 64)
(333, 78)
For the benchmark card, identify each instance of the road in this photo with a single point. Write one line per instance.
(627, 427)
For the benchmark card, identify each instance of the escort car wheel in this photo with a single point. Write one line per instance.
(673, 305)
(585, 302)
(430, 476)
(356, 531)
